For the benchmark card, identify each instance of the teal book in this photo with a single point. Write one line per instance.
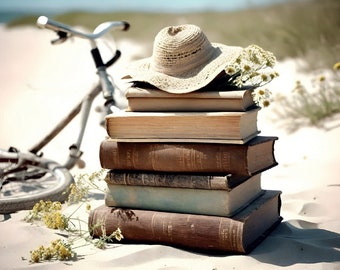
(185, 200)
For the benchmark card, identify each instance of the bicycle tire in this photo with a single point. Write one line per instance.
(55, 173)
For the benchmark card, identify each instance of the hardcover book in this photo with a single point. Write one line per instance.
(232, 127)
(140, 99)
(184, 200)
(238, 234)
(154, 179)
(217, 159)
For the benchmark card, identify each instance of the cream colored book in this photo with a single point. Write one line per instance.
(140, 99)
(213, 127)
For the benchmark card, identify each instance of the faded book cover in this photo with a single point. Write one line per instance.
(238, 234)
(141, 99)
(183, 126)
(227, 159)
(185, 200)
(175, 180)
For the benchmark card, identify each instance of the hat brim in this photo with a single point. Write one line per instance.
(194, 79)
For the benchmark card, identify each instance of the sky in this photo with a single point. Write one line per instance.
(33, 6)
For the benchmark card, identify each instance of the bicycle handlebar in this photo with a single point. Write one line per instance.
(65, 31)
(106, 85)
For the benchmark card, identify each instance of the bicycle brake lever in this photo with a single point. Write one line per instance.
(62, 37)
(113, 59)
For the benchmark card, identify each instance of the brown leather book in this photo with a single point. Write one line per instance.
(238, 234)
(216, 159)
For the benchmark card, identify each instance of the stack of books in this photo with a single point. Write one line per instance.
(185, 170)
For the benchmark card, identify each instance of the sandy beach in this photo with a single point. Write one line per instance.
(40, 83)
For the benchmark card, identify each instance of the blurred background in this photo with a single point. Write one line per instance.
(289, 28)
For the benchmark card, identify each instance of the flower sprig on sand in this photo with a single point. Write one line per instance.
(52, 216)
(50, 213)
(253, 68)
(104, 238)
(57, 250)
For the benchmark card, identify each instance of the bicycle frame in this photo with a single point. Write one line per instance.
(105, 85)
(84, 108)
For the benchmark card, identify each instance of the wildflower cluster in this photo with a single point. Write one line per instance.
(57, 250)
(104, 238)
(261, 97)
(80, 190)
(253, 68)
(50, 213)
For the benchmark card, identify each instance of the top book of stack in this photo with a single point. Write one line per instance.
(153, 100)
(202, 116)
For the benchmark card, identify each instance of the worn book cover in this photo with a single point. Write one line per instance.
(184, 200)
(141, 99)
(237, 127)
(175, 180)
(238, 234)
(210, 158)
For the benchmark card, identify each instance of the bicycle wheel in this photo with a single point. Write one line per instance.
(25, 188)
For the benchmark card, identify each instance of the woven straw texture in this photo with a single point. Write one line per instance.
(183, 60)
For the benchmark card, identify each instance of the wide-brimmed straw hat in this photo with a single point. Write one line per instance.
(183, 60)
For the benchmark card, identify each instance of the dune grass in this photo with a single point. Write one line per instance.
(310, 106)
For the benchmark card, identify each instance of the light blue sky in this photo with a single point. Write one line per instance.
(31, 6)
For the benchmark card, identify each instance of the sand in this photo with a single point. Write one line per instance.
(40, 82)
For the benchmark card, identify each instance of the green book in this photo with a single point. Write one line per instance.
(185, 200)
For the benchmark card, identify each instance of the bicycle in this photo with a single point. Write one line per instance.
(28, 177)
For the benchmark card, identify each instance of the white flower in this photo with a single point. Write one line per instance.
(262, 97)
(254, 67)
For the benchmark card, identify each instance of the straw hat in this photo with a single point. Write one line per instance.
(183, 60)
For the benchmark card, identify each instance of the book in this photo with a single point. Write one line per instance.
(184, 200)
(140, 99)
(178, 180)
(236, 159)
(239, 234)
(237, 127)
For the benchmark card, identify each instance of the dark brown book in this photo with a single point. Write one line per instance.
(217, 202)
(218, 159)
(174, 180)
(239, 234)
(141, 99)
(230, 127)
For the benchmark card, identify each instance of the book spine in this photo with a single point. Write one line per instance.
(183, 200)
(238, 234)
(183, 125)
(195, 231)
(171, 180)
(172, 157)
